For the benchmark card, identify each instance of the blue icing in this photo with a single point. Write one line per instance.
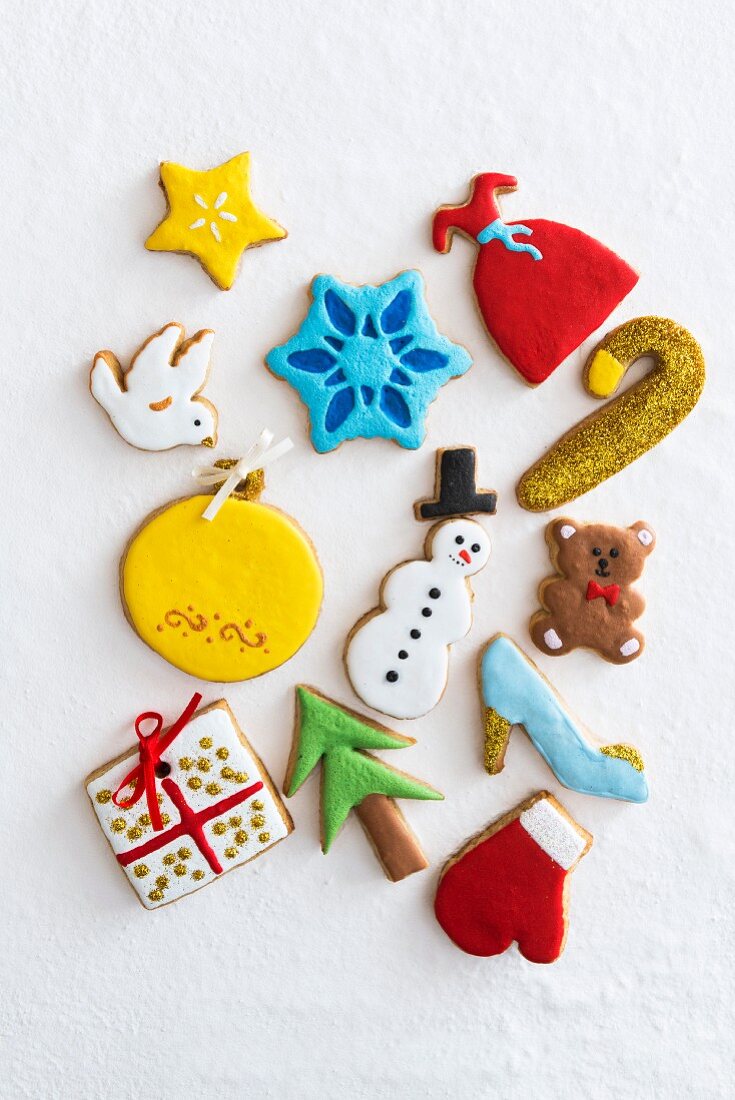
(355, 346)
(513, 687)
(499, 231)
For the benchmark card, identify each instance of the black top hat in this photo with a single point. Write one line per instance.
(455, 489)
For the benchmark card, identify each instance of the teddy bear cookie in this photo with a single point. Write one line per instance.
(590, 602)
(157, 404)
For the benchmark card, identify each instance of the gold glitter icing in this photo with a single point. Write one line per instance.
(624, 752)
(497, 730)
(213, 789)
(256, 804)
(165, 818)
(135, 833)
(162, 881)
(156, 895)
(118, 824)
(140, 870)
(230, 852)
(169, 859)
(180, 869)
(241, 837)
(198, 875)
(227, 772)
(205, 742)
(194, 782)
(236, 821)
(222, 753)
(203, 764)
(103, 797)
(184, 853)
(144, 820)
(219, 828)
(607, 441)
(241, 777)
(264, 837)
(257, 821)
(186, 763)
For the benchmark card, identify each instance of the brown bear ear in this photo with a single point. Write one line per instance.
(562, 530)
(645, 535)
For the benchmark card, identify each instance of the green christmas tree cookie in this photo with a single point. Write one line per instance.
(354, 780)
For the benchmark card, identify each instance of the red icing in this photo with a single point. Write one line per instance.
(191, 824)
(610, 593)
(506, 888)
(536, 311)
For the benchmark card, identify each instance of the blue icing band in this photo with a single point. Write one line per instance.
(368, 361)
(513, 687)
(499, 231)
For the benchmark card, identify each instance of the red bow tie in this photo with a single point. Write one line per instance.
(610, 593)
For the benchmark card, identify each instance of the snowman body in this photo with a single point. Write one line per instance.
(398, 658)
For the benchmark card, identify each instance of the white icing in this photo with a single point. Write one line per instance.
(224, 214)
(217, 724)
(215, 231)
(220, 200)
(198, 223)
(372, 651)
(156, 375)
(567, 531)
(553, 832)
(645, 537)
(630, 647)
(552, 639)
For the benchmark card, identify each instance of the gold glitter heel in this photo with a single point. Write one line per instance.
(497, 735)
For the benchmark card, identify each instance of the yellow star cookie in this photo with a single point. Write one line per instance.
(211, 216)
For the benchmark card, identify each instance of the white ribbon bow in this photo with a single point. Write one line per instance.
(257, 457)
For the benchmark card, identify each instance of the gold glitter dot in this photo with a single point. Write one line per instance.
(198, 875)
(264, 837)
(219, 828)
(103, 797)
(257, 821)
(203, 764)
(497, 732)
(625, 752)
(607, 441)
(256, 804)
(195, 782)
(162, 882)
(159, 799)
(184, 853)
(227, 772)
(213, 789)
(180, 869)
(135, 833)
(140, 870)
(222, 753)
(144, 820)
(241, 777)
(156, 895)
(241, 837)
(118, 824)
(236, 821)
(230, 852)
(205, 742)
(166, 818)
(169, 859)
(186, 763)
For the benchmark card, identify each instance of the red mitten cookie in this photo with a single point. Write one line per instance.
(510, 883)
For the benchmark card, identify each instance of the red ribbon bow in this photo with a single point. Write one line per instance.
(143, 775)
(610, 593)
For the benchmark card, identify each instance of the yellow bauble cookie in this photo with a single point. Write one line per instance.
(224, 600)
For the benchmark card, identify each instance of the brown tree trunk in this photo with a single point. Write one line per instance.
(395, 845)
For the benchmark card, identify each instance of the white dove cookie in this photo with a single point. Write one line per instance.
(397, 656)
(155, 404)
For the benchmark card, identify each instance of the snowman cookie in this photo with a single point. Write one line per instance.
(397, 656)
(156, 403)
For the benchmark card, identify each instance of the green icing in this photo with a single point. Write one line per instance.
(348, 775)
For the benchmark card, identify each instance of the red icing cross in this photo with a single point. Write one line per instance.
(191, 824)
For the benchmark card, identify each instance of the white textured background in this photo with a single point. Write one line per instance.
(303, 975)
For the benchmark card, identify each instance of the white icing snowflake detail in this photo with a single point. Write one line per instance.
(225, 215)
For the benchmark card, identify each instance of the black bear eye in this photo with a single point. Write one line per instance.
(476, 548)
(459, 540)
(614, 553)
(597, 551)
(197, 423)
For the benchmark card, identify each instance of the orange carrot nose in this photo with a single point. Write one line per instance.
(465, 556)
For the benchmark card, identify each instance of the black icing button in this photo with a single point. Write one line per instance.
(426, 612)
(391, 677)
(415, 633)
(162, 769)
(402, 655)
(434, 593)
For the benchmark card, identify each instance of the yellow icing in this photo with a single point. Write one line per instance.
(196, 204)
(250, 565)
(604, 374)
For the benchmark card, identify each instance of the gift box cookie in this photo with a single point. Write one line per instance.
(187, 804)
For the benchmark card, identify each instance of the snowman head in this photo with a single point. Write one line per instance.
(460, 545)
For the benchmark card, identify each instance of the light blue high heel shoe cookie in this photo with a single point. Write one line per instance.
(516, 693)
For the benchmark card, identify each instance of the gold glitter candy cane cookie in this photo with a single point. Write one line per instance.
(607, 441)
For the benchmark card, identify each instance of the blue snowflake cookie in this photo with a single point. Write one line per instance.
(368, 361)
